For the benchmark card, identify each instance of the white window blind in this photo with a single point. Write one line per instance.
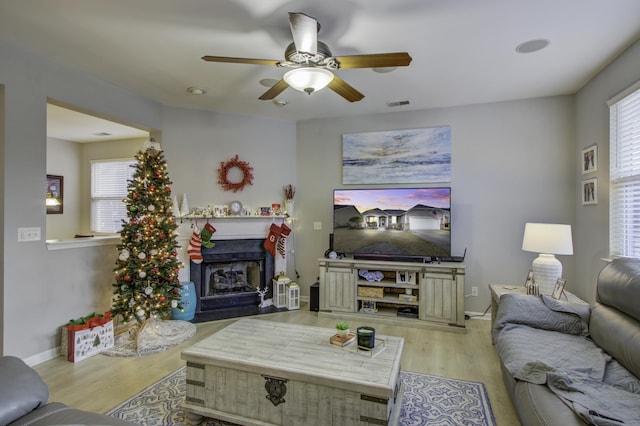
(624, 183)
(109, 181)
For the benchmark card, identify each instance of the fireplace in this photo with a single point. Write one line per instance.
(227, 280)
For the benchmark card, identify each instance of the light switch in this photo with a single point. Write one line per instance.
(28, 234)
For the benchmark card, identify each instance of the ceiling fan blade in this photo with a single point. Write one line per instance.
(241, 60)
(376, 60)
(274, 91)
(344, 89)
(304, 29)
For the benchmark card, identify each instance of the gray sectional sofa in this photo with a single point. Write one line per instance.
(566, 364)
(24, 400)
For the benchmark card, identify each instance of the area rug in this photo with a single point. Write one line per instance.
(151, 337)
(427, 400)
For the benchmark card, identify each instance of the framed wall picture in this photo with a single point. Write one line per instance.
(589, 159)
(54, 194)
(397, 156)
(590, 191)
(558, 290)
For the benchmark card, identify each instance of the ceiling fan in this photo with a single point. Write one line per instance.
(312, 62)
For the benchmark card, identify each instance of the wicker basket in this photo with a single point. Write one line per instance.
(377, 292)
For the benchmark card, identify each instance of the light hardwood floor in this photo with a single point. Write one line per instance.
(102, 382)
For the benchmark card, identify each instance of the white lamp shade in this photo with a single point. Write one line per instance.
(549, 238)
(308, 79)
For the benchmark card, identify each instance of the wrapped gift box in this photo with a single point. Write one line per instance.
(89, 336)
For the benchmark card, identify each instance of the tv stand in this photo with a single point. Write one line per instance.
(396, 291)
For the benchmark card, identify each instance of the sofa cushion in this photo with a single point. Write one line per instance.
(619, 286)
(25, 393)
(618, 334)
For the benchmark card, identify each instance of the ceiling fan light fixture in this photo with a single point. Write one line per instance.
(308, 79)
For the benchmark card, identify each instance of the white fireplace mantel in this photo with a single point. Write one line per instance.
(235, 228)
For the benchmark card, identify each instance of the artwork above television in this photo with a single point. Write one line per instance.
(399, 224)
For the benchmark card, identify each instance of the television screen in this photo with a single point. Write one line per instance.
(395, 224)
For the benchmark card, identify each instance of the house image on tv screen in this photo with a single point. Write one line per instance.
(393, 227)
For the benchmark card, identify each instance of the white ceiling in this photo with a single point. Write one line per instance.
(463, 50)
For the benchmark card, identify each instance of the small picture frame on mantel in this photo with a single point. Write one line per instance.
(590, 191)
(590, 159)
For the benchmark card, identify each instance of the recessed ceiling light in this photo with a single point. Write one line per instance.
(532, 45)
(281, 102)
(196, 90)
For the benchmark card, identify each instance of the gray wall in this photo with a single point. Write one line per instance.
(512, 162)
(592, 126)
(43, 289)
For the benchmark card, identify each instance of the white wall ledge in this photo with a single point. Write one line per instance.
(103, 240)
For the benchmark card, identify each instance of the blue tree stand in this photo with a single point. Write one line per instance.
(188, 301)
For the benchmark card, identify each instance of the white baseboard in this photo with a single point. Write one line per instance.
(42, 356)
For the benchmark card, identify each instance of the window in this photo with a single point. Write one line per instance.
(624, 184)
(109, 181)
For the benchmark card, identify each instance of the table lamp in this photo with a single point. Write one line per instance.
(547, 239)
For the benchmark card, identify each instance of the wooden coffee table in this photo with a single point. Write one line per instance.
(258, 372)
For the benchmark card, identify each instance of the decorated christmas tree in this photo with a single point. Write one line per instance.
(146, 273)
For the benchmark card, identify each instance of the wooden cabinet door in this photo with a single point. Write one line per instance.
(438, 296)
(337, 289)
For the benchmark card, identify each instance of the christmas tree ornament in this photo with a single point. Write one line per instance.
(151, 207)
(148, 290)
(141, 255)
(272, 238)
(124, 255)
(142, 274)
(174, 304)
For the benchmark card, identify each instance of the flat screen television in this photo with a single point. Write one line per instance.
(399, 224)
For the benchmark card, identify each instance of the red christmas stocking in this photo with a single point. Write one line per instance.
(285, 231)
(272, 238)
(194, 248)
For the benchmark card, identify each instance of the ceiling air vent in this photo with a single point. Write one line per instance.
(398, 103)
(102, 134)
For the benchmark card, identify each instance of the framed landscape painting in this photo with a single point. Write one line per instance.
(397, 156)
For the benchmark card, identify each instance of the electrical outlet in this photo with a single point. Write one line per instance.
(474, 291)
(317, 226)
(28, 234)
